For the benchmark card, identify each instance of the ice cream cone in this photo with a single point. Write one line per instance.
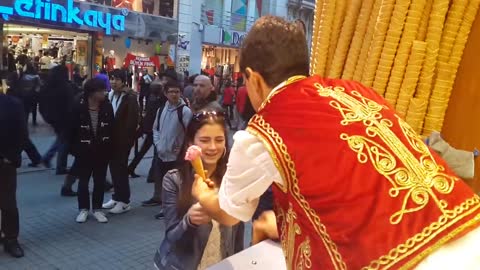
(197, 165)
(194, 155)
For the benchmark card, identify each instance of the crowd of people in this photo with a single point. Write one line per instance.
(353, 186)
(98, 121)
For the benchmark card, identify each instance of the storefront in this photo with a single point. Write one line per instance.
(220, 54)
(81, 34)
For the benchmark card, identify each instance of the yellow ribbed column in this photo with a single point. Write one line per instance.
(315, 40)
(390, 46)
(416, 113)
(422, 29)
(433, 37)
(452, 24)
(412, 23)
(358, 39)
(367, 42)
(463, 33)
(381, 28)
(438, 102)
(323, 39)
(415, 63)
(346, 36)
(340, 9)
(447, 72)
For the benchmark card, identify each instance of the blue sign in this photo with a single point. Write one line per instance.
(68, 13)
(232, 38)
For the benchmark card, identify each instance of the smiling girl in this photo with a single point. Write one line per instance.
(192, 240)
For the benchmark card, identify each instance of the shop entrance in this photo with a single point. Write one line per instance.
(221, 64)
(45, 48)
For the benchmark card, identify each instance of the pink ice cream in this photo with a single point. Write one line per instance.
(193, 152)
(194, 155)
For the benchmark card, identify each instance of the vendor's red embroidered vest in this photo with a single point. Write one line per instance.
(361, 189)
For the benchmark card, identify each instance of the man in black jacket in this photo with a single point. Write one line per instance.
(12, 140)
(90, 140)
(156, 100)
(126, 114)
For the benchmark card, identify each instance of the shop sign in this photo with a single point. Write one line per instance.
(142, 62)
(68, 13)
(183, 63)
(233, 38)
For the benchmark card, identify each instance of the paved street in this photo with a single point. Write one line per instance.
(53, 240)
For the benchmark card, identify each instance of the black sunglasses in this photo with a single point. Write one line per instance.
(207, 114)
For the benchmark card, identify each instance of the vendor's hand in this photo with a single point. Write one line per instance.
(265, 227)
(197, 215)
(201, 187)
(208, 181)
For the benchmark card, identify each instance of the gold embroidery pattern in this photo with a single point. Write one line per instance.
(290, 230)
(419, 240)
(302, 261)
(272, 149)
(420, 180)
(279, 88)
(258, 123)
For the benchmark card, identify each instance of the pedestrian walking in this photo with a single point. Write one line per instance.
(13, 135)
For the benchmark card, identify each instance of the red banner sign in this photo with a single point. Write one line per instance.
(132, 60)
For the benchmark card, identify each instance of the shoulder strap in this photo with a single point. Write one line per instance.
(180, 116)
(159, 117)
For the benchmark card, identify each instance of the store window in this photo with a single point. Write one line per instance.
(141, 55)
(45, 48)
(221, 64)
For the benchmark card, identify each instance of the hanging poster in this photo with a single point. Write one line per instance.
(141, 62)
(183, 63)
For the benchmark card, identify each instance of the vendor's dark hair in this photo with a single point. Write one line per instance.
(276, 49)
(185, 199)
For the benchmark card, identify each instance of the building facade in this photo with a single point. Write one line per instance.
(303, 10)
(91, 36)
(211, 32)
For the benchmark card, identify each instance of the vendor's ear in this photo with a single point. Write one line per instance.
(255, 81)
(257, 88)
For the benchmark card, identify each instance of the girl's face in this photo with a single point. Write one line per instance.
(211, 138)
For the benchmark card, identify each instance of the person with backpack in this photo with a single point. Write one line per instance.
(168, 135)
(28, 87)
(56, 99)
(157, 99)
(15, 86)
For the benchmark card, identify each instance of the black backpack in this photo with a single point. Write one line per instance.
(55, 104)
(179, 114)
